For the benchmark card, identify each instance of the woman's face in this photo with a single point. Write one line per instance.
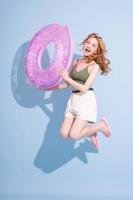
(90, 46)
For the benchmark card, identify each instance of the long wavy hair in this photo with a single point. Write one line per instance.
(99, 56)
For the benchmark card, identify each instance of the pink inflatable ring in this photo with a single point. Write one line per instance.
(49, 77)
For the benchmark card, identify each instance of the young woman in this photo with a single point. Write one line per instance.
(81, 111)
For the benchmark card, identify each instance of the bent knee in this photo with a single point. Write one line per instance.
(64, 134)
(74, 136)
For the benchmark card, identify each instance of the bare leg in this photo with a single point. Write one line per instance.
(100, 126)
(76, 128)
(95, 141)
(94, 138)
(66, 126)
(80, 130)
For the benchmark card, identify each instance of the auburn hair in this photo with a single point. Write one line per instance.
(99, 56)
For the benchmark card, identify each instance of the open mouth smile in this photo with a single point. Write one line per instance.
(87, 50)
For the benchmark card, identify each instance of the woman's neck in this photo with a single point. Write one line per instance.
(87, 59)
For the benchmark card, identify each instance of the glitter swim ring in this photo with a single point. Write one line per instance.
(49, 77)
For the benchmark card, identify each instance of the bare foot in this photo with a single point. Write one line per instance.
(105, 127)
(95, 141)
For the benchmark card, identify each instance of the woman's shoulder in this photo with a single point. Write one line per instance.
(94, 66)
(73, 65)
(75, 62)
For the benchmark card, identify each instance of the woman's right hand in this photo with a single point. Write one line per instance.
(53, 88)
(59, 87)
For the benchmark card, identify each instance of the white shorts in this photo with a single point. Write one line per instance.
(83, 106)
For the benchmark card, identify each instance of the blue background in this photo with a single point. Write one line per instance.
(35, 163)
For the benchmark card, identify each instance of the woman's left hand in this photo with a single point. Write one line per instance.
(63, 73)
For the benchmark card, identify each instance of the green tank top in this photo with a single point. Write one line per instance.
(80, 76)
